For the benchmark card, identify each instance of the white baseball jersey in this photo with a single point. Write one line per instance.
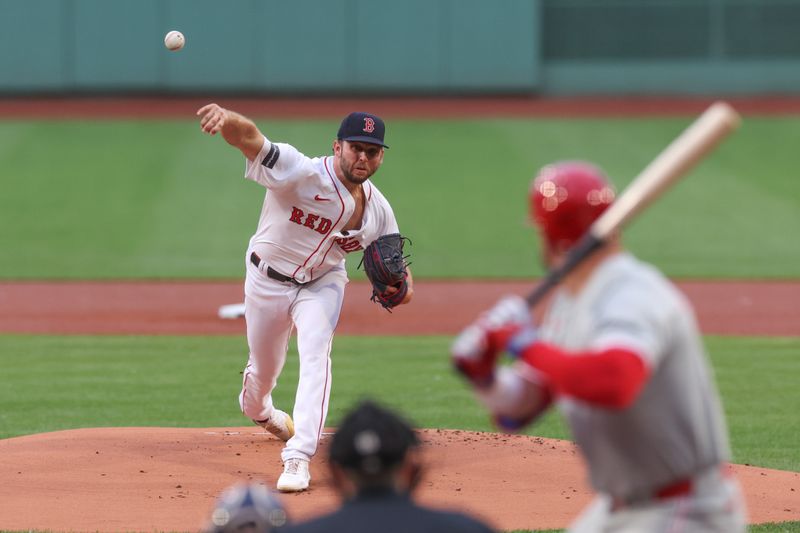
(675, 428)
(300, 235)
(306, 206)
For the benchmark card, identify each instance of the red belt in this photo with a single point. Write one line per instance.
(681, 487)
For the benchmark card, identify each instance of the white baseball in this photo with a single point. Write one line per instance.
(174, 40)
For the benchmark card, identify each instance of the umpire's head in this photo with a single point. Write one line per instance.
(373, 448)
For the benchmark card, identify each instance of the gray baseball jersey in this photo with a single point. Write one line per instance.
(675, 428)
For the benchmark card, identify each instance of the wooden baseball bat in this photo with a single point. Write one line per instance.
(683, 153)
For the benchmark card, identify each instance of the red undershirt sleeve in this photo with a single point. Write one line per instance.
(609, 378)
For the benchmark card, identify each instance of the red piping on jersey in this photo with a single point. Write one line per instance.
(333, 241)
(325, 388)
(369, 197)
(244, 384)
(324, 162)
(609, 378)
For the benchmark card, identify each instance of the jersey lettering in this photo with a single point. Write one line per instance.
(369, 124)
(297, 215)
(349, 244)
(324, 225)
(310, 220)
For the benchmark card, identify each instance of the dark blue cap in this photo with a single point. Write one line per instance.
(364, 127)
(371, 440)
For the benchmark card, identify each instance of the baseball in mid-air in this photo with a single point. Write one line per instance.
(174, 40)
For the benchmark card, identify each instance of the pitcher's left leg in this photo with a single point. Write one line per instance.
(315, 313)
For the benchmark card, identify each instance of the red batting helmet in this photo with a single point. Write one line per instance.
(566, 197)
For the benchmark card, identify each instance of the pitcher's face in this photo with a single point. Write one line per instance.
(357, 160)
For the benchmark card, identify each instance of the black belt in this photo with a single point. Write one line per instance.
(271, 272)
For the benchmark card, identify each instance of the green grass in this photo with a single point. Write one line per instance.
(757, 378)
(157, 199)
(781, 527)
(50, 383)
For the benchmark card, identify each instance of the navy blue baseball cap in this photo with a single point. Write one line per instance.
(371, 440)
(364, 127)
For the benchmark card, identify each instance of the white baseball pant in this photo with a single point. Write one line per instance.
(272, 309)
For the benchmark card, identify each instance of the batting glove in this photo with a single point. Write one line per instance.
(478, 347)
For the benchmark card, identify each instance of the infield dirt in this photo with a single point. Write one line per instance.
(440, 307)
(166, 479)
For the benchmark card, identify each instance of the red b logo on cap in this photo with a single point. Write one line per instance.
(369, 124)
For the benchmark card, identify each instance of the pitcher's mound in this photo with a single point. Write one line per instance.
(166, 479)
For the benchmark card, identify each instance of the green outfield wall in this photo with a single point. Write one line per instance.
(395, 47)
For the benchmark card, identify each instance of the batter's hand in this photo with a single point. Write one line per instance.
(212, 118)
(478, 347)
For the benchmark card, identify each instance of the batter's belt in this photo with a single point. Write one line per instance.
(678, 488)
(272, 273)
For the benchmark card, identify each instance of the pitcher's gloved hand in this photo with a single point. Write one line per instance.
(506, 326)
(386, 269)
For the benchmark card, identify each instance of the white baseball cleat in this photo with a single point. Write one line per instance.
(279, 424)
(295, 477)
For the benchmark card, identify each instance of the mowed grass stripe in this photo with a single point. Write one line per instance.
(158, 199)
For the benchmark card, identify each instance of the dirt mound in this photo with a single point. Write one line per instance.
(166, 479)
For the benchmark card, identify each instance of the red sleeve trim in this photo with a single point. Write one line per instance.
(609, 378)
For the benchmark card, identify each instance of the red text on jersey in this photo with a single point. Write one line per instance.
(310, 220)
(348, 244)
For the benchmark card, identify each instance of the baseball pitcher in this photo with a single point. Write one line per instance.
(315, 212)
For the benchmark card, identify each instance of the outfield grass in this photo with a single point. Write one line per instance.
(157, 199)
(51, 383)
(757, 378)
